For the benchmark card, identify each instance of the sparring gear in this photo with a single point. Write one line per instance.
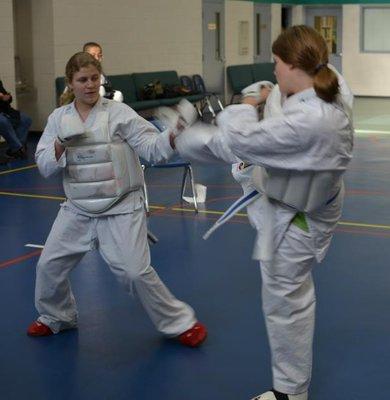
(187, 112)
(194, 336)
(238, 205)
(71, 128)
(119, 233)
(38, 329)
(275, 395)
(168, 117)
(99, 171)
(203, 143)
(273, 105)
(177, 119)
(305, 191)
(253, 90)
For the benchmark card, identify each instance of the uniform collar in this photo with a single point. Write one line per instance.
(300, 97)
(102, 102)
(100, 105)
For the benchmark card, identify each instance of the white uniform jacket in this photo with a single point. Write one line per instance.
(310, 135)
(141, 135)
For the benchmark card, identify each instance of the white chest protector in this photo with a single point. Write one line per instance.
(305, 191)
(100, 169)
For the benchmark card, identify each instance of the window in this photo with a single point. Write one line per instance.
(375, 29)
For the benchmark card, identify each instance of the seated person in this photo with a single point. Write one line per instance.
(106, 89)
(14, 126)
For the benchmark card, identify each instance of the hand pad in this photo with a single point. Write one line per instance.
(254, 89)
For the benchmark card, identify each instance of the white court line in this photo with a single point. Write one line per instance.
(35, 246)
(372, 131)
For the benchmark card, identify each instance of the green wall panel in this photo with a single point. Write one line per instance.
(310, 2)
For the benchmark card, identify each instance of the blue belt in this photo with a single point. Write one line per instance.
(238, 205)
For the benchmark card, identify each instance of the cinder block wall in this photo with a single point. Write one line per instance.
(366, 73)
(7, 64)
(136, 36)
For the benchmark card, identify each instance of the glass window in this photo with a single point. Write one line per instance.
(375, 29)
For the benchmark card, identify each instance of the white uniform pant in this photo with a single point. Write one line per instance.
(122, 242)
(289, 309)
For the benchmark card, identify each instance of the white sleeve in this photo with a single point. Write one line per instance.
(144, 137)
(204, 143)
(272, 142)
(45, 152)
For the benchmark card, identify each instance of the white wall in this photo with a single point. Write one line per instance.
(136, 36)
(43, 56)
(276, 21)
(152, 35)
(7, 64)
(366, 73)
(27, 94)
(236, 11)
(298, 15)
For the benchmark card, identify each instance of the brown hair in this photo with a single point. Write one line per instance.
(88, 45)
(75, 63)
(304, 48)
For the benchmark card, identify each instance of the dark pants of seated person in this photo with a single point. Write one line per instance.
(15, 137)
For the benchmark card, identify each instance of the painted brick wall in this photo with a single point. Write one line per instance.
(136, 35)
(366, 73)
(7, 64)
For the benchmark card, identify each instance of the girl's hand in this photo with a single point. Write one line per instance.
(264, 93)
(258, 99)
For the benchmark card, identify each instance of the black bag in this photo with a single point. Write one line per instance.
(171, 91)
(109, 90)
(153, 90)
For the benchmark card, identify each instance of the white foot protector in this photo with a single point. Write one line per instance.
(187, 112)
(184, 113)
(271, 396)
(168, 117)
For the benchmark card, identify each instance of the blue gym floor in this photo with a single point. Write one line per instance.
(117, 354)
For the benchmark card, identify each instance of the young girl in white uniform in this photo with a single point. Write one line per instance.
(312, 137)
(95, 143)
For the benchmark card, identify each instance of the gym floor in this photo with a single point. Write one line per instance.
(117, 354)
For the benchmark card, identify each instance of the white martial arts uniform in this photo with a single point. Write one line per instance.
(310, 134)
(306, 134)
(273, 109)
(119, 233)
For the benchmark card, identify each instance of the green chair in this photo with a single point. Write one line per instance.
(263, 72)
(125, 84)
(60, 87)
(141, 79)
(239, 76)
